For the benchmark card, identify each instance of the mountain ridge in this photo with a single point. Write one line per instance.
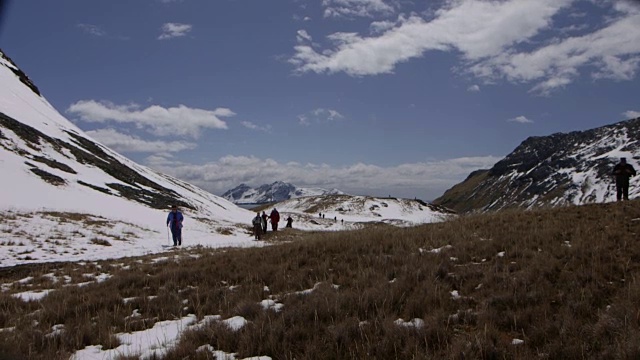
(559, 169)
(272, 193)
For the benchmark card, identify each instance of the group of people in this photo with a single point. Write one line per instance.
(175, 219)
(622, 172)
(260, 223)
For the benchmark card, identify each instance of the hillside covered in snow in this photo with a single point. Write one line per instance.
(334, 211)
(556, 170)
(64, 195)
(271, 193)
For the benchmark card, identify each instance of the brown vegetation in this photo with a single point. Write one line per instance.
(564, 281)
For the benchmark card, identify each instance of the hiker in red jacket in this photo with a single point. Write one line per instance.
(275, 218)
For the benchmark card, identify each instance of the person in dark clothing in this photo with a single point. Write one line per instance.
(623, 171)
(257, 226)
(289, 221)
(174, 220)
(264, 222)
(275, 218)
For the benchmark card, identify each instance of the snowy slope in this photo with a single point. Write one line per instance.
(338, 210)
(556, 170)
(270, 193)
(49, 167)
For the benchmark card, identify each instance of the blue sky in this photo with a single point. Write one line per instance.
(373, 97)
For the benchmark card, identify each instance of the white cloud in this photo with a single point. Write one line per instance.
(406, 180)
(174, 30)
(356, 8)
(164, 159)
(172, 121)
(612, 50)
(127, 143)
(303, 120)
(92, 29)
(612, 67)
(631, 114)
(475, 28)
(574, 28)
(378, 27)
(329, 114)
(521, 119)
(490, 37)
(319, 115)
(252, 126)
(297, 17)
(473, 88)
(303, 36)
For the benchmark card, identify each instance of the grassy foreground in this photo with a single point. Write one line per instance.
(563, 283)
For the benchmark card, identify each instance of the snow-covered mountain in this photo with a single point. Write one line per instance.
(333, 211)
(270, 193)
(555, 170)
(66, 197)
(64, 194)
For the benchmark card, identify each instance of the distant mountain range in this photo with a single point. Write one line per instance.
(270, 193)
(555, 170)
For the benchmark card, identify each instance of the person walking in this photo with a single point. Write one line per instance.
(289, 222)
(275, 218)
(257, 226)
(264, 222)
(174, 220)
(623, 171)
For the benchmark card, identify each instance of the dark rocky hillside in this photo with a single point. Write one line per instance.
(554, 170)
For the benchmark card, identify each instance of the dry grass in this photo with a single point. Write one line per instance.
(566, 281)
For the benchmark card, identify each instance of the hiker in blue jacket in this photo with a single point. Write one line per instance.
(174, 220)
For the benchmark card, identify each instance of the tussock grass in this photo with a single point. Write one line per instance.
(565, 281)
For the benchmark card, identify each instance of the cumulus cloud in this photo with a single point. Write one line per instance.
(319, 115)
(631, 114)
(126, 143)
(473, 88)
(521, 119)
(429, 178)
(174, 30)
(172, 121)
(495, 39)
(356, 8)
(94, 30)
